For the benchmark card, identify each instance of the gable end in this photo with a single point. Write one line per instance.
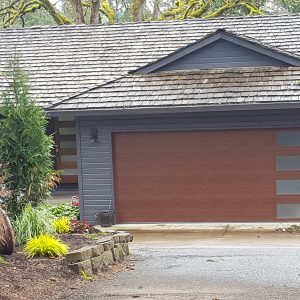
(221, 50)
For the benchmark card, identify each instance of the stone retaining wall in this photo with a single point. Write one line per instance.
(96, 258)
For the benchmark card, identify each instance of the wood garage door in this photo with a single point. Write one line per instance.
(195, 176)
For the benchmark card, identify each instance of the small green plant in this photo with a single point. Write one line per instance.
(62, 225)
(45, 245)
(32, 222)
(65, 210)
(86, 276)
(2, 260)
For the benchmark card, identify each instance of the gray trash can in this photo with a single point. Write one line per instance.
(105, 218)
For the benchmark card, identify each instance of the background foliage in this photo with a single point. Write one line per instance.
(60, 12)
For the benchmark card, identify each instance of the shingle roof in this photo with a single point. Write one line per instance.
(64, 60)
(192, 88)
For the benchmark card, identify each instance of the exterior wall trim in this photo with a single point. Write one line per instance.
(79, 166)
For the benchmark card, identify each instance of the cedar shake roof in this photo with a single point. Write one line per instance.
(192, 88)
(64, 60)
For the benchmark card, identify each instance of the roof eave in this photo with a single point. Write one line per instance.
(176, 109)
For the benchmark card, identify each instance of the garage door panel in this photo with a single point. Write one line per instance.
(195, 176)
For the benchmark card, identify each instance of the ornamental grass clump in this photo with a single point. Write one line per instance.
(45, 245)
(32, 222)
(62, 225)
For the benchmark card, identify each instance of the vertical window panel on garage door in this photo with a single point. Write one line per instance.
(288, 174)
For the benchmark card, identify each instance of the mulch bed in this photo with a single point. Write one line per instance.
(43, 278)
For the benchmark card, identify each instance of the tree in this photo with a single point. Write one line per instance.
(66, 12)
(286, 6)
(83, 11)
(25, 149)
(206, 9)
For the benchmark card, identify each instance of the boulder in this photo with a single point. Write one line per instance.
(7, 240)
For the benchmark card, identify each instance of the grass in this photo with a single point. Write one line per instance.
(32, 222)
(45, 245)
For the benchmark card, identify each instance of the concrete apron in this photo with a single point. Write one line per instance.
(202, 227)
(210, 235)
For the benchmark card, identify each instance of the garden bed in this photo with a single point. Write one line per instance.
(44, 278)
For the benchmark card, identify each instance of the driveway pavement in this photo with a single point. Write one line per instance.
(206, 266)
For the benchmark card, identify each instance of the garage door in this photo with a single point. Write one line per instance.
(195, 176)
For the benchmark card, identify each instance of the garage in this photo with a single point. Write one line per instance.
(195, 176)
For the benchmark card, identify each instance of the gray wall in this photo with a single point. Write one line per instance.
(96, 162)
(222, 54)
(95, 169)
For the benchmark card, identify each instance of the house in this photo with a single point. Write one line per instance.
(176, 121)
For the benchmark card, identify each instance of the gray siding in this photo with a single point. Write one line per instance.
(96, 163)
(222, 54)
(96, 176)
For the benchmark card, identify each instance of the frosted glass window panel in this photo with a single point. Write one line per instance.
(288, 211)
(288, 163)
(288, 138)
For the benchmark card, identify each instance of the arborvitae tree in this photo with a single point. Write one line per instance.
(25, 148)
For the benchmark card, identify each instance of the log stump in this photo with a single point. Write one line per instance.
(7, 240)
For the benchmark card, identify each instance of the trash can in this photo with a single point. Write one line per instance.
(105, 218)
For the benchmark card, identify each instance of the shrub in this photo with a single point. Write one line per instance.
(32, 222)
(25, 148)
(80, 226)
(62, 225)
(65, 210)
(45, 245)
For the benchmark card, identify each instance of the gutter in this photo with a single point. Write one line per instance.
(176, 109)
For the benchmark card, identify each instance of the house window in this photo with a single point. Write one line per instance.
(67, 131)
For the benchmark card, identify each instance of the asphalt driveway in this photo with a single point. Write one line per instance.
(211, 266)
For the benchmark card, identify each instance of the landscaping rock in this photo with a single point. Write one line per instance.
(96, 258)
(116, 238)
(125, 248)
(80, 254)
(122, 237)
(129, 237)
(97, 250)
(97, 264)
(107, 258)
(85, 266)
(116, 254)
(122, 254)
(107, 242)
